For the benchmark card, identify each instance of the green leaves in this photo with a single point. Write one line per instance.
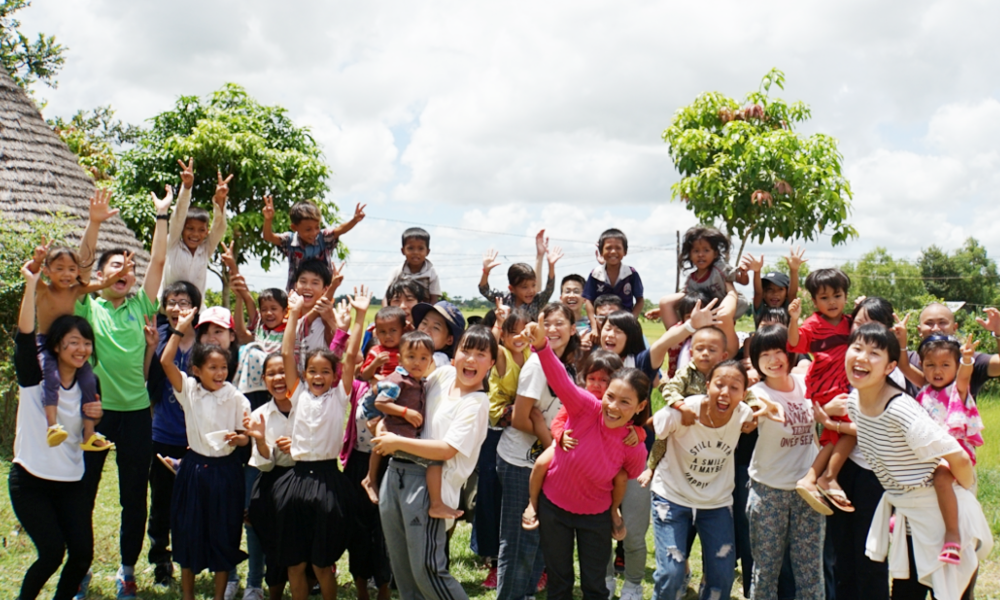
(28, 61)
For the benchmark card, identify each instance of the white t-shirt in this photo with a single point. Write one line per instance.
(441, 360)
(181, 264)
(31, 451)
(318, 423)
(697, 470)
(426, 277)
(461, 423)
(785, 451)
(515, 445)
(208, 412)
(276, 425)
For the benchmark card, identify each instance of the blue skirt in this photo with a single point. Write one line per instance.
(261, 513)
(206, 513)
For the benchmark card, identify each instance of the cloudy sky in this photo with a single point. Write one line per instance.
(492, 120)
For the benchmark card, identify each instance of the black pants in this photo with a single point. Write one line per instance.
(912, 589)
(161, 489)
(132, 434)
(371, 558)
(559, 530)
(856, 575)
(56, 516)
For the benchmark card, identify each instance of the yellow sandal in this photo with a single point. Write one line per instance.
(56, 435)
(89, 445)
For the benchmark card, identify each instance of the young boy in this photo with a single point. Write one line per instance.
(383, 358)
(523, 281)
(416, 267)
(614, 276)
(824, 334)
(316, 284)
(190, 240)
(774, 289)
(307, 240)
(605, 304)
(571, 294)
(400, 398)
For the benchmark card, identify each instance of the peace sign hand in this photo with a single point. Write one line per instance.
(187, 173)
(899, 330)
(359, 213)
(268, 210)
(151, 333)
(222, 190)
(162, 206)
(969, 350)
(228, 256)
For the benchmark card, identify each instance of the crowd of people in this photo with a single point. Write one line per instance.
(817, 452)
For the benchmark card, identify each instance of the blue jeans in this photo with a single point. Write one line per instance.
(671, 524)
(520, 562)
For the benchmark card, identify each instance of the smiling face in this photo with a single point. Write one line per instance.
(774, 295)
(74, 350)
(830, 303)
(725, 392)
(213, 372)
(572, 296)
(63, 272)
(174, 305)
(388, 332)
(218, 335)
(320, 375)
(274, 378)
(416, 252)
(525, 291)
(308, 230)
(613, 339)
(774, 363)
(558, 330)
(613, 251)
(406, 301)
(434, 325)
(597, 382)
(310, 286)
(119, 289)
(471, 367)
(271, 313)
(703, 255)
(940, 367)
(937, 318)
(867, 365)
(620, 403)
(415, 358)
(708, 348)
(514, 341)
(195, 232)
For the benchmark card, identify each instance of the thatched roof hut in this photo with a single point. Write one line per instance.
(40, 176)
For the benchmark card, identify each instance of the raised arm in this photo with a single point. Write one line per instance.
(127, 265)
(218, 230)
(756, 265)
(553, 255)
(963, 379)
(490, 262)
(179, 216)
(992, 324)
(541, 249)
(268, 212)
(100, 211)
(359, 215)
(158, 255)
(243, 298)
(795, 262)
(288, 339)
(173, 374)
(794, 313)
(152, 335)
(26, 318)
(359, 302)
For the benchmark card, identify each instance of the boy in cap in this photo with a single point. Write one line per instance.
(774, 289)
(444, 323)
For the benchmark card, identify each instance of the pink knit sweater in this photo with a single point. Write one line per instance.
(580, 481)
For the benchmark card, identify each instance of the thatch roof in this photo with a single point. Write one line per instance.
(39, 176)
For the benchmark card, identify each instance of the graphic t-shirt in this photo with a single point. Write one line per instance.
(785, 451)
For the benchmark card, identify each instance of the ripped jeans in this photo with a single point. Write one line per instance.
(671, 524)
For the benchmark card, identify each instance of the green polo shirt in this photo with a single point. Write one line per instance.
(120, 346)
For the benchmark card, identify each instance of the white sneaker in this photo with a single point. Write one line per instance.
(611, 584)
(631, 591)
(231, 588)
(252, 593)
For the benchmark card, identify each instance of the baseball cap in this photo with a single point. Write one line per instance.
(218, 315)
(451, 314)
(777, 278)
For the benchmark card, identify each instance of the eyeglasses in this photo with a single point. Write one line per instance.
(178, 304)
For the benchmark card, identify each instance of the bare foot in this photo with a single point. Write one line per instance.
(370, 489)
(807, 483)
(618, 531)
(440, 510)
(952, 537)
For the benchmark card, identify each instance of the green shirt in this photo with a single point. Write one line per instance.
(120, 346)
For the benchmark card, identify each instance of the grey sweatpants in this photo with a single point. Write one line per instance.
(416, 542)
(635, 513)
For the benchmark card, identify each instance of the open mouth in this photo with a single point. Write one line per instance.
(859, 372)
(469, 372)
(611, 417)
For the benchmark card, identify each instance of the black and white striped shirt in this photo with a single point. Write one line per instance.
(903, 445)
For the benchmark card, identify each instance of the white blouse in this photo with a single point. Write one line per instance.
(276, 425)
(208, 416)
(318, 423)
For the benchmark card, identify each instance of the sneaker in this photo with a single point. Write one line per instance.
(612, 585)
(163, 574)
(491, 579)
(543, 582)
(81, 593)
(252, 593)
(125, 586)
(631, 591)
(231, 588)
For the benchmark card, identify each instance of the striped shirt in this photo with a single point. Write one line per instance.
(903, 445)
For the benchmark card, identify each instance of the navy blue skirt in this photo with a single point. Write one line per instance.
(315, 520)
(261, 513)
(206, 513)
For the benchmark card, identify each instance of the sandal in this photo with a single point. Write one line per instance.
(91, 444)
(814, 500)
(951, 553)
(838, 498)
(529, 520)
(172, 464)
(56, 435)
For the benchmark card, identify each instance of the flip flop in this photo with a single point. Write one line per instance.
(838, 498)
(951, 553)
(814, 500)
(56, 435)
(172, 464)
(90, 447)
(529, 520)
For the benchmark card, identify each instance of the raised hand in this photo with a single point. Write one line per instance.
(29, 275)
(754, 264)
(555, 253)
(969, 350)
(268, 210)
(597, 255)
(222, 190)
(490, 261)
(992, 322)
(338, 276)
(100, 207)
(795, 309)
(541, 243)
(186, 320)
(899, 330)
(295, 302)
(187, 173)
(361, 300)
(704, 317)
(238, 283)
(41, 251)
(794, 258)
(342, 315)
(324, 308)
(151, 333)
(162, 206)
(228, 256)
(502, 311)
(535, 333)
(127, 265)
(359, 212)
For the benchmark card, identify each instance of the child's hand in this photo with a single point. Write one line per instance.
(490, 260)
(359, 213)
(754, 264)
(239, 284)
(555, 253)
(795, 310)
(969, 350)
(324, 308)
(186, 320)
(228, 256)
(360, 301)
(338, 276)
(502, 311)
(632, 438)
(541, 243)
(772, 410)
(29, 275)
(704, 317)
(645, 478)
(268, 210)
(653, 315)
(161, 205)
(794, 258)
(535, 333)
(414, 418)
(295, 303)
(342, 315)
(597, 255)
(41, 251)
(749, 426)
(151, 333)
(372, 425)
(222, 190)
(254, 429)
(899, 330)
(688, 416)
(187, 173)
(236, 439)
(568, 442)
(820, 416)
(992, 322)
(100, 207)
(380, 359)
(127, 265)
(283, 444)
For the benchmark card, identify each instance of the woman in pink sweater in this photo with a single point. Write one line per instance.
(576, 496)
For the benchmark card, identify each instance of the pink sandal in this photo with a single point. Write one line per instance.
(951, 553)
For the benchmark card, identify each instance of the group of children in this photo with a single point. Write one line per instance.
(288, 374)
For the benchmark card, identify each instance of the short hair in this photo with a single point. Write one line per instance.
(714, 330)
(775, 314)
(108, 254)
(612, 234)
(936, 342)
(276, 294)
(572, 277)
(391, 313)
(598, 360)
(400, 286)
(626, 321)
(518, 273)
(304, 211)
(685, 306)
(769, 337)
(877, 335)
(715, 238)
(201, 352)
(63, 326)
(195, 213)
(417, 233)
(417, 338)
(182, 287)
(639, 382)
(835, 279)
(608, 300)
(317, 267)
(879, 310)
(731, 364)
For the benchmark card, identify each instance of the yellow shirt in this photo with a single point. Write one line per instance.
(503, 389)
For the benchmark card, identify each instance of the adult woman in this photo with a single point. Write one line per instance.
(904, 446)
(46, 491)
(520, 563)
(455, 423)
(575, 505)
(693, 484)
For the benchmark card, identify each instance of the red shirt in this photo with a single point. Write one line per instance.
(827, 376)
(389, 366)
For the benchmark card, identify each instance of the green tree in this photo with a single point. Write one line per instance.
(966, 275)
(28, 61)
(94, 136)
(879, 274)
(228, 132)
(743, 164)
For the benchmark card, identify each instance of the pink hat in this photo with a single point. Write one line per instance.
(216, 314)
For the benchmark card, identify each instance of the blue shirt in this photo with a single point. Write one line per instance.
(168, 416)
(628, 286)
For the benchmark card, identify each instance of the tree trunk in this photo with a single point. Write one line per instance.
(743, 244)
